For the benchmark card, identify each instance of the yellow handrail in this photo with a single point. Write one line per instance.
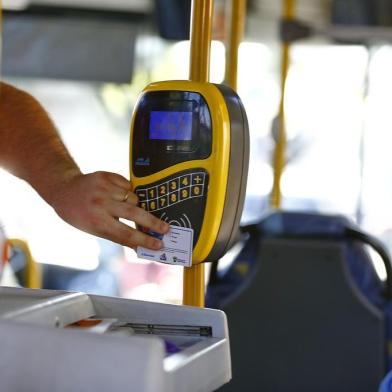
(201, 27)
(280, 148)
(33, 278)
(236, 33)
(199, 70)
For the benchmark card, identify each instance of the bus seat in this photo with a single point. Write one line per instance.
(306, 309)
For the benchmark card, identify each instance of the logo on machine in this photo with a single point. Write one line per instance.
(178, 260)
(142, 161)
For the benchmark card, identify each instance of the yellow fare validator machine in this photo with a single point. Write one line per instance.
(189, 160)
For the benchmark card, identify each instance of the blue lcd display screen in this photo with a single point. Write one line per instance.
(170, 125)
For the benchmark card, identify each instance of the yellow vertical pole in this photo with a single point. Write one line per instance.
(280, 148)
(194, 285)
(33, 278)
(199, 70)
(201, 26)
(236, 33)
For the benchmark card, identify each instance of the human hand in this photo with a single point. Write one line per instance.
(94, 203)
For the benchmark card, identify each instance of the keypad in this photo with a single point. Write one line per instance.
(173, 191)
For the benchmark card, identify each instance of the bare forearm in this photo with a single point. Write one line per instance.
(30, 146)
(31, 149)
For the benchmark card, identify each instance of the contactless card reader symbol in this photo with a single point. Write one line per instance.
(189, 160)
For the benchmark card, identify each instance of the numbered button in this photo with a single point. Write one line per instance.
(173, 185)
(197, 179)
(196, 190)
(143, 205)
(152, 192)
(163, 202)
(184, 193)
(173, 198)
(152, 205)
(142, 195)
(185, 181)
(162, 189)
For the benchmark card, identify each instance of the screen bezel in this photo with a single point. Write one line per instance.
(150, 156)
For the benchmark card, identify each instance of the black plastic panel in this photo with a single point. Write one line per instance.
(179, 199)
(151, 156)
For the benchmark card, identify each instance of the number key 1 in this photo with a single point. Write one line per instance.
(152, 193)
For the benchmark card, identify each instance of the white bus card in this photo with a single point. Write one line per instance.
(177, 250)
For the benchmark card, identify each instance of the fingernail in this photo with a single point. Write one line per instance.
(157, 244)
(165, 227)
